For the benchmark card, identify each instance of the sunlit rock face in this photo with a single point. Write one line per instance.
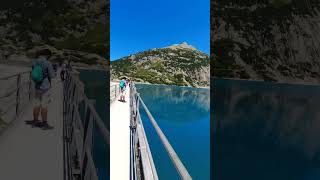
(274, 40)
(178, 64)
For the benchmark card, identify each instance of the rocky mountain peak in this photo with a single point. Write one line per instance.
(178, 64)
(183, 45)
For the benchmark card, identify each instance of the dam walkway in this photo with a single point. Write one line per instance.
(31, 153)
(64, 152)
(131, 156)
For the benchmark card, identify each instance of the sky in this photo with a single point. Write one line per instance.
(138, 25)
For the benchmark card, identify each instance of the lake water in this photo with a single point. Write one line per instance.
(96, 88)
(265, 131)
(183, 114)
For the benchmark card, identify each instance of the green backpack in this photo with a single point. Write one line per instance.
(122, 84)
(37, 73)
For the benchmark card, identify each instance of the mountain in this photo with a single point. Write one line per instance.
(179, 64)
(271, 40)
(72, 29)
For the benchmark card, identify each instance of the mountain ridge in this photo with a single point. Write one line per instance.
(270, 40)
(178, 64)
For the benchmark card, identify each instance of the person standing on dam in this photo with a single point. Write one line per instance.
(122, 86)
(42, 73)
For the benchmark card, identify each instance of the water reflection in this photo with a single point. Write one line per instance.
(265, 130)
(174, 97)
(183, 115)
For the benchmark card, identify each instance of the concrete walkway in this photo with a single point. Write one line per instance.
(120, 139)
(28, 153)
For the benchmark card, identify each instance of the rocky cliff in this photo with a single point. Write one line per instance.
(72, 29)
(271, 40)
(179, 64)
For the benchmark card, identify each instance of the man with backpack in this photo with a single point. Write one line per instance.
(122, 86)
(42, 73)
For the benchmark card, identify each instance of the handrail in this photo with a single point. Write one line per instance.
(184, 174)
(80, 121)
(14, 75)
(7, 94)
(114, 92)
(141, 161)
(173, 155)
(17, 91)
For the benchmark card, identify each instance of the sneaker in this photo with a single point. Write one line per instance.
(46, 126)
(36, 123)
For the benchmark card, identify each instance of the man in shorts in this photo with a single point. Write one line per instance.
(42, 90)
(122, 85)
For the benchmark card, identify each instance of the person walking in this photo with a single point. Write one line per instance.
(42, 73)
(122, 86)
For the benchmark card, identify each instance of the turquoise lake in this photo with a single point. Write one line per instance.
(183, 114)
(265, 131)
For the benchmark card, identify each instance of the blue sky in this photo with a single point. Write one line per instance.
(138, 25)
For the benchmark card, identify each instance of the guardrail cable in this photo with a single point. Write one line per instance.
(147, 163)
(80, 121)
(23, 87)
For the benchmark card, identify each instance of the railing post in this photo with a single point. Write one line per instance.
(18, 94)
(184, 174)
(181, 169)
(18, 90)
(80, 132)
(30, 86)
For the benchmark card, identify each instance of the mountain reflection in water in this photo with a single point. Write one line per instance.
(197, 99)
(265, 131)
(183, 115)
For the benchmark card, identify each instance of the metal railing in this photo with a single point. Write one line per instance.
(114, 92)
(142, 165)
(16, 92)
(80, 123)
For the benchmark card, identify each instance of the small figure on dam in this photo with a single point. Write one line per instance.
(122, 85)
